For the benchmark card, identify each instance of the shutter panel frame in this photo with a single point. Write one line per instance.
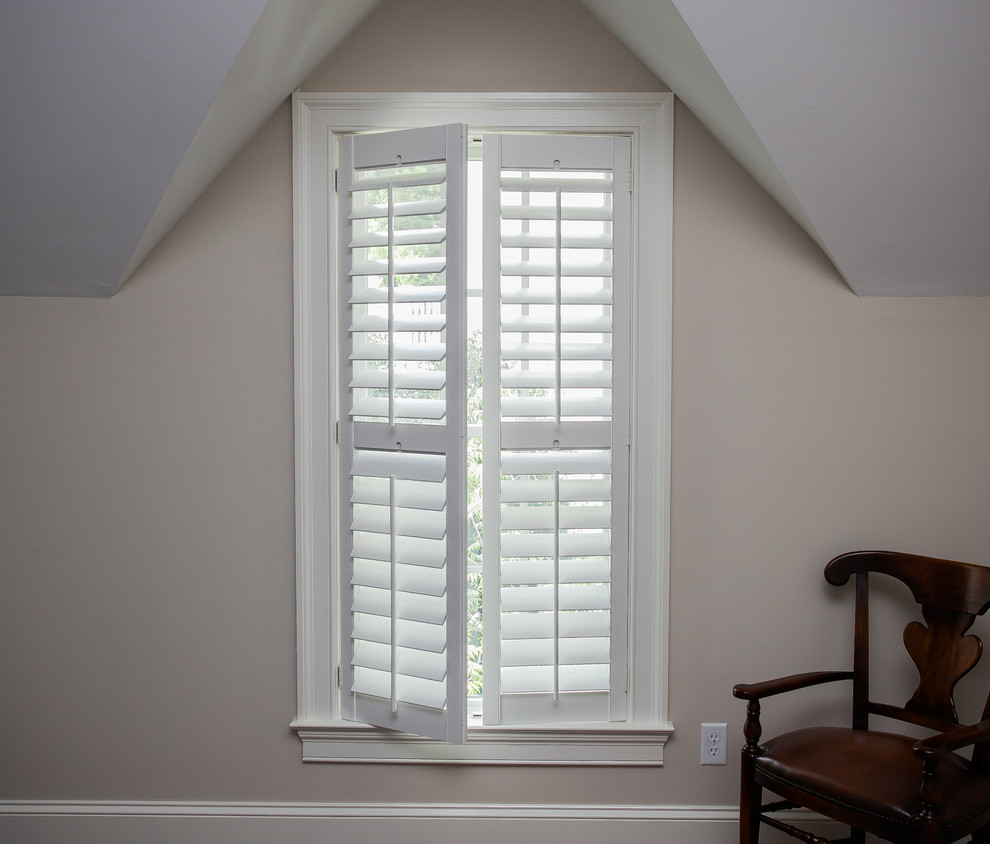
(418, 444)
(533, 602)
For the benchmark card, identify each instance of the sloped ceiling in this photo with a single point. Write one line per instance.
(117, 114)
(868, 122)
(99, 101)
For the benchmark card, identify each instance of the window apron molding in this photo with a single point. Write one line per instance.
(594, 745)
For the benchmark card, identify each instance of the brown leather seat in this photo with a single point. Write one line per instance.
(894, 786)
(873, 774)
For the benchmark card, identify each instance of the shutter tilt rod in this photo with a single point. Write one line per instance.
(556, 586)
(391, 306)
(392, 590)
(558, 294)
(556, 474)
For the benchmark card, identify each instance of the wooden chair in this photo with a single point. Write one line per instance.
(894, 786)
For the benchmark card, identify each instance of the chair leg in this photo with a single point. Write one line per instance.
(750, 802)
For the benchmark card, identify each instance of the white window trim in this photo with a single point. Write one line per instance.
(647, 118)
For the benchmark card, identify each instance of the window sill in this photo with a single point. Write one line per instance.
(597, 746)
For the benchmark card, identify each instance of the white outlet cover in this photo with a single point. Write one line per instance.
(713, 744)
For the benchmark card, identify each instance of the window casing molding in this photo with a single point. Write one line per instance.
(647, 119)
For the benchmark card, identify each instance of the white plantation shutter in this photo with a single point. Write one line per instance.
(555, 427)
(402, 430)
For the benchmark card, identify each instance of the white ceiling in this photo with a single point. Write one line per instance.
(117, 114)
(99, 101)
(868, 122)
(876, 115)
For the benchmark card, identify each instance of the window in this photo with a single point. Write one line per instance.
(575, 628)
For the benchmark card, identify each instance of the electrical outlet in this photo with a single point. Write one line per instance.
(713, 744)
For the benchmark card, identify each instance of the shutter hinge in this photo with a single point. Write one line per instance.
(627, 681)
(335, 180)
(336, 432)
(630, 179)
(338, 677)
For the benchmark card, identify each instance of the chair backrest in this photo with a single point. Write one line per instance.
(951, 595)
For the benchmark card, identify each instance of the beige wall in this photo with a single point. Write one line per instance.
(146, 456)
(561, 47)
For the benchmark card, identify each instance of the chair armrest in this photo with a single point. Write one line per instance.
(755, 691)
(938, 745)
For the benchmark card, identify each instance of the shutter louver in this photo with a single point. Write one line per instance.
(402, 429)
(558, 552)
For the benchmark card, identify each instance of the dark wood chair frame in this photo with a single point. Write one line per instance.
(951, 595)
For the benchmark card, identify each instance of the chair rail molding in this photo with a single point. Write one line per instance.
(123, 822)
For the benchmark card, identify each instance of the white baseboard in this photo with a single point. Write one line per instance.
(165, 822)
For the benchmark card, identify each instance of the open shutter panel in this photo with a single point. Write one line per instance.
(401, 219)
(556, 429)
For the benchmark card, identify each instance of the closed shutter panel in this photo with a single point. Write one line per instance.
(401, 224)
(556, 435)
